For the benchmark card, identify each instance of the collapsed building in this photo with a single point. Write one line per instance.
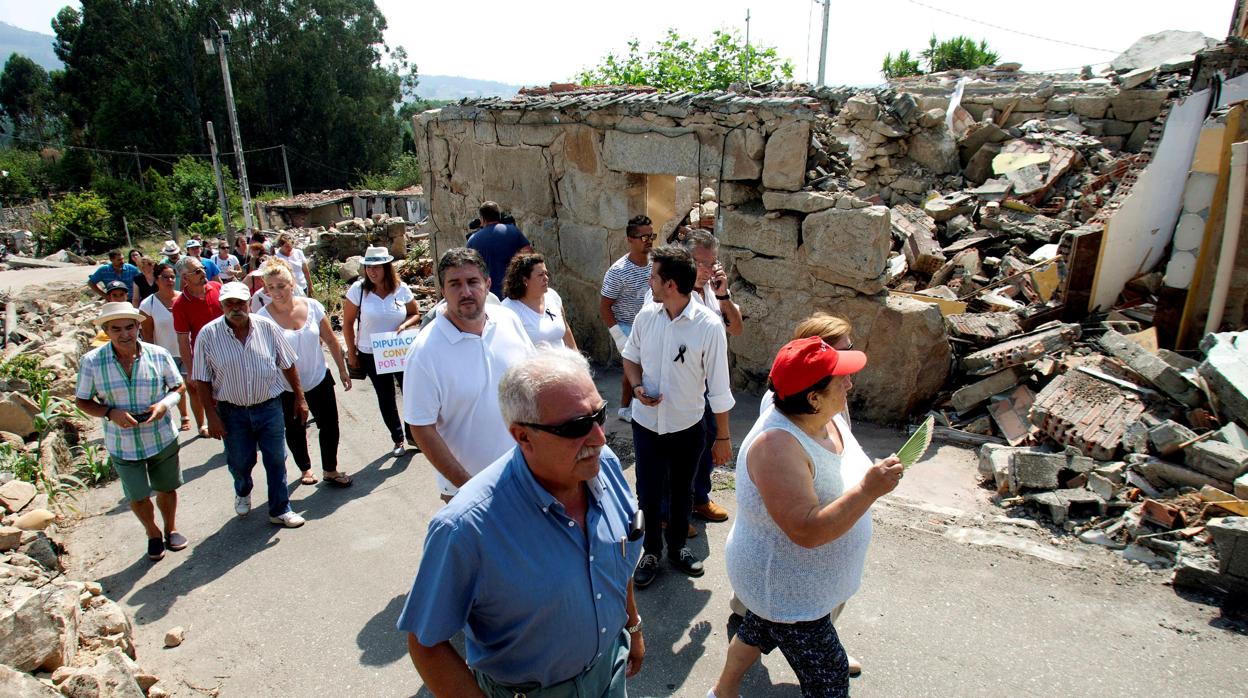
(1036, 197)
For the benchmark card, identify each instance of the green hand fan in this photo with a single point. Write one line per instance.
(917, 444)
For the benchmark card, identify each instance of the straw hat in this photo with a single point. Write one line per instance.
(170, 247)
(374, 256)
(117, 311)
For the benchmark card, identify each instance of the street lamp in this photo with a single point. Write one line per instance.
(216, 42)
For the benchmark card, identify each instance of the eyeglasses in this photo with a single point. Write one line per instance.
(195, 270)
(644, 238)
(573, 428)
(168, 277)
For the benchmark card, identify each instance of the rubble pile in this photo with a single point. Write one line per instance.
(58, 637)
(1127, 446)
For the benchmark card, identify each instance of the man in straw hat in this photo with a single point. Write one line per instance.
(240, 360)
(133, 385)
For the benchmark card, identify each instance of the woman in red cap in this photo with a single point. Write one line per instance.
(797, 548)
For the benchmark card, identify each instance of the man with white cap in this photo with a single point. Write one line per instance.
(195, 248)
(239, 363)
(133, 385)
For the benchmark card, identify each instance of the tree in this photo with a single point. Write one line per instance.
(26, 98)
(313, 74)
(80, 221)
(901, 66)
(958, 53)
(679, 64)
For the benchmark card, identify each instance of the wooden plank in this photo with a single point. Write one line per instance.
(947, 307)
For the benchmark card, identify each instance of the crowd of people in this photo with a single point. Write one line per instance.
(503, 406)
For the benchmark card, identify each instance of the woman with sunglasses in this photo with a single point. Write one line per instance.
(157, 325)
(379, 302)
(306, 327)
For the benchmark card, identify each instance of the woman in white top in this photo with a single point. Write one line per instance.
(157, 326)
(530, 297)
(305, 326)
(798, 546)
(380, 303)
(286, 251)
(227, 263)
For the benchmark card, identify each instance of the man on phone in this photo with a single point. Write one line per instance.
(133, 386)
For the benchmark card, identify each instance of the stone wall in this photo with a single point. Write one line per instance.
(572, 178)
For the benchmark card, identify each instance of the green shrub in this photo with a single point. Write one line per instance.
(78, 221)
(29, 176)
(403, 172)
(208, 228)
(27, 367)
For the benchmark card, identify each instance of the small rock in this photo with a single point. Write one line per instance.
(10, 538)
(35, 520)
(16, 494)
(157, 690)
(174, 636)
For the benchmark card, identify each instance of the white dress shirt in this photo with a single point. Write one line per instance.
(243, 373)
(681, 359)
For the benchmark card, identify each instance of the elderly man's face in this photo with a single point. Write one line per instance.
(559, 460)
(193, 274)
(464, 288)
(704, 258)
(235, 311)
(122, 333)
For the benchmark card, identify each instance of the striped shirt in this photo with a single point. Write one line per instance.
(626, 284)
(243, 373)
(152, 377)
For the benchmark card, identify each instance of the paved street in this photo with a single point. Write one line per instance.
(310, 612)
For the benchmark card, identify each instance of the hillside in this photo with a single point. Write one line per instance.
(454, 87)
(33, 45)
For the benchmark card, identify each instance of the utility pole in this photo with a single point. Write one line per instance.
(823, 44)
(138, 165)
(216, 172)
(747, 47)
(216, 44)
(286, 168)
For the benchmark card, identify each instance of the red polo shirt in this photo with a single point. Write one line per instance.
(191, 314)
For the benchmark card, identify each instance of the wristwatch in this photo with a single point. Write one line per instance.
(634, 628)
(724, 297)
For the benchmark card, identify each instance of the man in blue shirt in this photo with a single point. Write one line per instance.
(194, 248)
(117, 269)
(533, 558)
(497, 242)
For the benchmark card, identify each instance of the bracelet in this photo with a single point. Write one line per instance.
(724, 297)
(107, 412)
(723, 438)
(636, 628)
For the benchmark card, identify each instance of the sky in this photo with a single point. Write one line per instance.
(543, 41)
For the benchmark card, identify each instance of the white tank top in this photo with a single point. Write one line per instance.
(776, 578)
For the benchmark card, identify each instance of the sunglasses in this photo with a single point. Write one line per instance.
(573, 428)
(168, 277)
(644, 238)
(198, 270)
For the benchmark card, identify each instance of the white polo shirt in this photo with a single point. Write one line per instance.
(681, 359)
(451, 381)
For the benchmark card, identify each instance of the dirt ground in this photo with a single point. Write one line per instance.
(955, 601)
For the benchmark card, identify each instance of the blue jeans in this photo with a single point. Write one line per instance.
(260, 426)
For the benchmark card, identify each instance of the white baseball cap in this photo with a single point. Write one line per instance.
(234, 290)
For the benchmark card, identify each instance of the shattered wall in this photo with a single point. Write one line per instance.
(573, 174)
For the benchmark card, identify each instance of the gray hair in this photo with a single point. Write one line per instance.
(523, 384)
(700, 238)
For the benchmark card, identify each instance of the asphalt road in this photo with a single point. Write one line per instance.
(311, 612)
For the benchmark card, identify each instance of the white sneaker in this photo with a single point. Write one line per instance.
(242, 505)
(290, 520)
(625, 414)
(399, 449)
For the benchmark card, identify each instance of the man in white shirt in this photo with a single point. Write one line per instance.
(677, 359)
(450, 381)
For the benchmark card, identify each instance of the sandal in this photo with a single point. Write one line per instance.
(186, 424)
(340, 480)
(308, 478)
(203, 432)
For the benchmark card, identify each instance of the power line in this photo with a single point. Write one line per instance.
(132, 153)
(1010, 29)
(318, 164)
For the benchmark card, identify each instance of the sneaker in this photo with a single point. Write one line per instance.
(399, 449)
(175, 541)
(289, 520)
(155, 548)
(710, 511)
(625, 414)
(687, 563)
(646, 571)
(242, 505)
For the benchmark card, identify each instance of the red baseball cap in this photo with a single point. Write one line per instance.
(803, 362)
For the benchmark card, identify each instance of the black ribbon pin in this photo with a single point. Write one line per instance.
(680, 354)
(551, 315)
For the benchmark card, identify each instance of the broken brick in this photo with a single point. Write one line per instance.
(1080, 410)
(968, 397)
(1021, 350)
(1165, 515)
(1217, 460)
